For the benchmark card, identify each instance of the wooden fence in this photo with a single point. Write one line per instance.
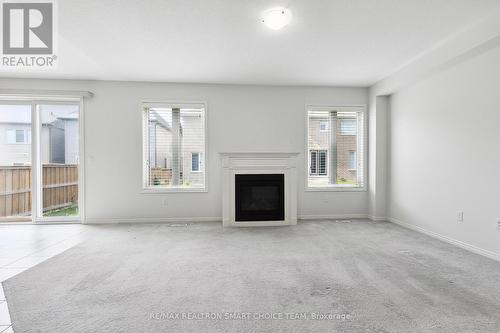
(60, 188)
(160, 176)
(60, 185)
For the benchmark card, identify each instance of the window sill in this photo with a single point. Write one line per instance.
(336, 189)
(58, 220)
(163, 190)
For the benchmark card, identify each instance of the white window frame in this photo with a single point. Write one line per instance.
(143, 106)
(361, 129)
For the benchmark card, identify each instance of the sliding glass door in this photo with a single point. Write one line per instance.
(59, 142)
(15, 162)
(40, 152)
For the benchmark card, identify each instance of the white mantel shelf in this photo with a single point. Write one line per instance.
(258, 163)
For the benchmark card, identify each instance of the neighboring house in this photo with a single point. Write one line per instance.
(59, 139)
(69, 124)
(320, 149)
(190, 148)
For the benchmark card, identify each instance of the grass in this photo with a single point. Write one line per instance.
(66, 211)
(345, 182)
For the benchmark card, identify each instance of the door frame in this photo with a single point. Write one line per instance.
(36, 165)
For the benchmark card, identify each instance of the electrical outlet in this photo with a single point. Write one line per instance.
(460, 216)
(165, 202)
(498, 224)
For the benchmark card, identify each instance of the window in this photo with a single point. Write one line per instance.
(318, 162)
(174, 146)
(195, 162)
(322, 162)
(323, 126)
(348, 126)
(313, 162)
(20, 136)
(351, 160)
(336, 159)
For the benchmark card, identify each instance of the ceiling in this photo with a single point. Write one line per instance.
(329, 42)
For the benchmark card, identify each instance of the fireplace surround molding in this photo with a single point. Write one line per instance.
(258, 163)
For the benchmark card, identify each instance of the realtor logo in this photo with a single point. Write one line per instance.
(27, 28)
(28, 34)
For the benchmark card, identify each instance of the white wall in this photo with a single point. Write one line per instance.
(444, 153)
(240, 118)
(377, 160)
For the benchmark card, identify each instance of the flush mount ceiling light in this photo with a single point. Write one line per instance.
(276, 18)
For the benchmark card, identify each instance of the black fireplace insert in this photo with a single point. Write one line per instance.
(260, 197)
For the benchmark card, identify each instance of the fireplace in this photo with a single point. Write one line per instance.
(259, 189)
(259, 197)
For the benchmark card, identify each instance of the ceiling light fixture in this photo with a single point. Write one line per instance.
(276, 18)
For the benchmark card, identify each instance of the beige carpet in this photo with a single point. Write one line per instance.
(314, 277)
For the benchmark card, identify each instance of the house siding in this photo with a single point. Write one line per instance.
(320, 140)
(14, 152)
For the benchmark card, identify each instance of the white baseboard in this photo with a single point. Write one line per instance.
(332, 216)
(449, 240)
(377, 218)
(151, 220)
(208, 219)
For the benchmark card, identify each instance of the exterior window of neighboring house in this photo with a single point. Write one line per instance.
(322, 154)
(195, 162)
(313, 163)
(318, 162)
(351, 160)
(174, 146)
(335, 156)
(19, 136)
(323, 126)
(348, 126)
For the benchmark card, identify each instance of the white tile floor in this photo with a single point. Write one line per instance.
(25, 245)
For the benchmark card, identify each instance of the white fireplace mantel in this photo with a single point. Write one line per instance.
(258, 163)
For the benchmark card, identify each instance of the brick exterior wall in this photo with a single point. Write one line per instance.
(320, 140)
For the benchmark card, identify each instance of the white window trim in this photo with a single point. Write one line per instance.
(337, 188)
(150, 103)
